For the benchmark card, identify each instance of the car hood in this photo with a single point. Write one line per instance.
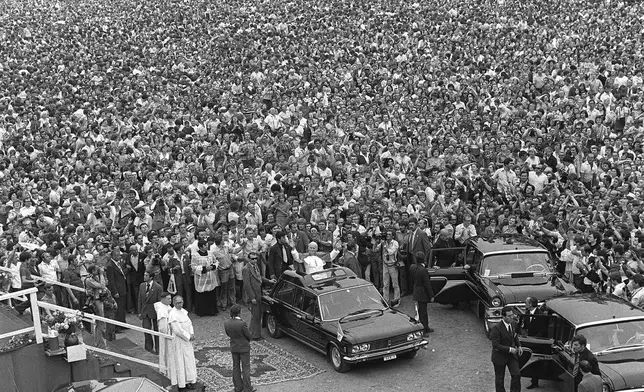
(376, 326)
(624, 369)
(515, 290)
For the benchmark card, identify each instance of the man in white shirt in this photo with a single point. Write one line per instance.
(465, 230)
(637, 288)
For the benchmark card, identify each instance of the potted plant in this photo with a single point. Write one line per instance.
(68, 325)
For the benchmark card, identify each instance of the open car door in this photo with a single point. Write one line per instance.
(455, 283)
(542, 361)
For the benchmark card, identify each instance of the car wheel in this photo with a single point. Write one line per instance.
(408, 354)
(481, 310)
(273, 329)
(338, 363)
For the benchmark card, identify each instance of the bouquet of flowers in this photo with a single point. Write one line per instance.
(5, 281)
(64, 323)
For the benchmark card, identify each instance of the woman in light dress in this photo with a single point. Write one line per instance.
(183, 368)
(163, 309)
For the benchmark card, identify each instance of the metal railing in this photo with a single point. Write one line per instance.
(37, 327)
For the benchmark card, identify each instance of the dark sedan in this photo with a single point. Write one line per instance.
(493, 273)
(341, 316)
(614, 330)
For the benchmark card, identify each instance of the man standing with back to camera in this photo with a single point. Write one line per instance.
(240, 338)
(506, 349)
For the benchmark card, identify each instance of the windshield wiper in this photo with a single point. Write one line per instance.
(357, 312)
(616, 348)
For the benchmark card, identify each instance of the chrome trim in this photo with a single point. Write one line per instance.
(631, 390)
(611, 321)
(378, 354)
(513, 251)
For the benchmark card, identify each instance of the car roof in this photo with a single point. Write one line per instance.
(506, 245)
(327, 280)
(581, 309)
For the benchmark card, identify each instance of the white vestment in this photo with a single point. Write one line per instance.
(182, 365)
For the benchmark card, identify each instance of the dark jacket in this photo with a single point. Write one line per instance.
(116, 279)
(135, 276)
(534, 326)
(444, 258)
(147, 300)
(502, 341)
(239, 335)
(586, 355)
(422, 287)
(276, 262)
(419, 242)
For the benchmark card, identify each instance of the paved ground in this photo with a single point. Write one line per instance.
(457, 359)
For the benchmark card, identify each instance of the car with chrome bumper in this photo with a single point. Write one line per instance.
(494, 272)
(341, 316)
(614, 331)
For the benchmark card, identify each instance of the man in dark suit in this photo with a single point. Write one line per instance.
(533, 325)
(149, 293)
(417, 243)
(589, 382)
(582, 353)
(186, 283)
(240, 337)
(253, 288)
(506, 349)
(279, 256)
(117, 284)
(135, 268)
(422, 290)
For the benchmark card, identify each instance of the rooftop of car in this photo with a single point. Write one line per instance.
(587, 308)
(332, 279)
(506, 245)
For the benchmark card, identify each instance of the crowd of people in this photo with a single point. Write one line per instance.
(179, 140)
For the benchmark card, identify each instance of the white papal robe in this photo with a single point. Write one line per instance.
(182, 365)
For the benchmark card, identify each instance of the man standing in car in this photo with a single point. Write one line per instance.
(533, 325)
(422, 290)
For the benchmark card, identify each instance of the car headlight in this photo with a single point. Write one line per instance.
(606, 388)
(496, 302)
(414, 336)
(359, 348)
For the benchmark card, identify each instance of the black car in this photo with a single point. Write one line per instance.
(613, 328)
(341, 316)
(493, 273)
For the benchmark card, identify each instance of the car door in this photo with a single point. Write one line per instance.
(282, 304)
(306, 321)
(545, 362)
(455, 283)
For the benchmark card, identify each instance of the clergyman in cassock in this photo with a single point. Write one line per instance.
(163, 309)
(182, 365)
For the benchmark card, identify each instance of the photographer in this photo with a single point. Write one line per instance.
(152, 262)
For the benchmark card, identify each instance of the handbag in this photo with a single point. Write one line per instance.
(172, 285)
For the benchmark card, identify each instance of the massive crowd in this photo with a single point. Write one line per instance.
(181, 138)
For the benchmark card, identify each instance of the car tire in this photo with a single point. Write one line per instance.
(335, 357)
(408, 354)
(272, 327)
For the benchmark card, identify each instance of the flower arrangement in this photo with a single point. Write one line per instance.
(64, 323)
(18, 341)
(5, 281)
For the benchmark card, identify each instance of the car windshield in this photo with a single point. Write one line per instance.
(508, 263)
(343, 302)
(614, 335)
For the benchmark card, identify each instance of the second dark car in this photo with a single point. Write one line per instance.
(494, 273)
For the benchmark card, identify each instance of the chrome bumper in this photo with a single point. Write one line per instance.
(383, 353)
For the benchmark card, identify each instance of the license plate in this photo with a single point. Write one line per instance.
(389, 357)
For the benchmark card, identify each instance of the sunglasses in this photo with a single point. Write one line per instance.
(253, 258)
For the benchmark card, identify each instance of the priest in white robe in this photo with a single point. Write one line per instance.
(163, 309)
(183, 368)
